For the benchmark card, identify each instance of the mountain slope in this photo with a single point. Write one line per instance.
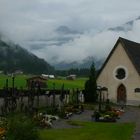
(13, 57)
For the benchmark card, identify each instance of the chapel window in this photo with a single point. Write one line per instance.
(120, 73)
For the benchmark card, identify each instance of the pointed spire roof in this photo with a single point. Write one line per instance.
(132, 49)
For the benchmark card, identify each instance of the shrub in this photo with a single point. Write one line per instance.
(21, 128)
(52, 110)
(62, 113)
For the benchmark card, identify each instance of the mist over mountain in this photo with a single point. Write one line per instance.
(13, 57)
(128, 26)
(61, 31)
(86, 63)
(112, 33)
(58, 37)
(66, 47)
(66, 30)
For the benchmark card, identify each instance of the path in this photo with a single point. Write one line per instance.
(62, 123)
(132, 114)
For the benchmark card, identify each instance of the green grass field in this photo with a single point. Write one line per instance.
(68, 84)
(20, 81)
(91, 131)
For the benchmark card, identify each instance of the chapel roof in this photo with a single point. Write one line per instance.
(132, 49)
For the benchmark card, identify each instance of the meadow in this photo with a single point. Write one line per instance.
(91, 131)
(68, 84)
(20, 81)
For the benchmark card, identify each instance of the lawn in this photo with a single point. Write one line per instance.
(20, 81)
(91, 131)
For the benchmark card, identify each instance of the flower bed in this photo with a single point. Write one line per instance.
(2, 133)
(107, 116)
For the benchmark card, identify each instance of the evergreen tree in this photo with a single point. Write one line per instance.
(91, 86)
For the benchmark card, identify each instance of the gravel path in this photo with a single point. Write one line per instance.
(62, 123)
(132, 114)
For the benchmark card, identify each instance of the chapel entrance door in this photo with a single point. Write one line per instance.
(121, 94)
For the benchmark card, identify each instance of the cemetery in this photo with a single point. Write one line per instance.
(65, 112)
(69, 70)
(50, 111)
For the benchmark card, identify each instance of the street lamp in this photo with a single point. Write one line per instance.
(13, 97)
(54, 94)
(13, 83)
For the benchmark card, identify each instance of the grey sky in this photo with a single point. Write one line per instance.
(28, 21)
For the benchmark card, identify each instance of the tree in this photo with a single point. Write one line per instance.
(91, 86)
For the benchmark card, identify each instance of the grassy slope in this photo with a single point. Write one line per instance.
(91, 131)
(20, 81)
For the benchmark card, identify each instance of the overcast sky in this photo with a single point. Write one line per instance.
(33, 24)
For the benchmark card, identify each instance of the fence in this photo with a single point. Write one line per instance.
(19, 99)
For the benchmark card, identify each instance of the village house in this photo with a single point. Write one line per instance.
(36, 81)
(120, 74)
(18, 72)
(48, 76)
(71, 77)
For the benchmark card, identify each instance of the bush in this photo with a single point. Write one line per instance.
(89, 106)
(21, 128)
(52, 110)
(62, 114)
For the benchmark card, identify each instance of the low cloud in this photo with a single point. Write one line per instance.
(33, 24)
(88, 44)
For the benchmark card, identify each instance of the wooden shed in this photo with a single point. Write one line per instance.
(36, 82)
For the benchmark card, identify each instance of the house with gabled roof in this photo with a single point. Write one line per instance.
(120, 73)
(36, 81)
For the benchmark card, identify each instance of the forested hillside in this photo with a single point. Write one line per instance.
(13, 57)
